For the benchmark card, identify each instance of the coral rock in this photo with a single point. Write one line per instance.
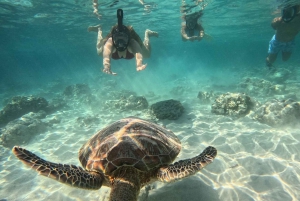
(232, 104)
(278, 113)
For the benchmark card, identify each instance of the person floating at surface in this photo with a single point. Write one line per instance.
(286, 28)
(122, 43)
(96, 12)
(191, 29)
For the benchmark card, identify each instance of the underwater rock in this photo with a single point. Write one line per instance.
(35, 115)
(206, 97)
(168, 109)
(21, 131)
(256, 87)
(128, 103)
(232, 104)
(20, 105)
(279, 75)
(278, 113)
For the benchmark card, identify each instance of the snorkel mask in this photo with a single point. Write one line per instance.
(191, 23)
(120, 34)
(191, 20)
(288, 13)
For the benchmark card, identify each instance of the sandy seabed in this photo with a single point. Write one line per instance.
(254, 161)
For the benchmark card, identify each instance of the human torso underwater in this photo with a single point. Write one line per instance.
(287, 31)
(126, 54)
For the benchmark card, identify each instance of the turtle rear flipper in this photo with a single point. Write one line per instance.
(185, 168)
(67, 174)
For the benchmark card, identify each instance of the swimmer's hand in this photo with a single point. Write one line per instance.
(142, 67)
(108, 71)
(201, 35)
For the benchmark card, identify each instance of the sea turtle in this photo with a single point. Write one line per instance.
(126, 155)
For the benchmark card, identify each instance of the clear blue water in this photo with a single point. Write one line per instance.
(44, 41)
(41, 41)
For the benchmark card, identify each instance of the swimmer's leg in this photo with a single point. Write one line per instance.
(271, 59)
(286, 56)
(147, 46)
(99, 45)
(100, 42)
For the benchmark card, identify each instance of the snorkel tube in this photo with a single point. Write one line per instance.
(120, 34)
(120, 19)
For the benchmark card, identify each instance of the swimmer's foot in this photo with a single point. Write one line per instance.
(151, 33)
(94, 28)
(269, 64)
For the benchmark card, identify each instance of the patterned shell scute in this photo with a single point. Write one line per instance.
(130, 142)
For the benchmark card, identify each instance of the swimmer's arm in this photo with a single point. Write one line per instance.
(137, 50)
(107, 50)
(183, 33)
(275, 22)
(201, 31)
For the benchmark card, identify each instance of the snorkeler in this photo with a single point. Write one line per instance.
(122, 43)
(191, 29)
(286, 28)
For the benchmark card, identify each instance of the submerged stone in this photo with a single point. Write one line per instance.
(168, 109)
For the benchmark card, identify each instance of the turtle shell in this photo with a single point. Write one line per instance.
(129, 142)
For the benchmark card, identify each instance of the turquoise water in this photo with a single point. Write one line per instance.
(48, 40)
(45, 46)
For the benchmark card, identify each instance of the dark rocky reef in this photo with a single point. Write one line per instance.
(168, 109)
(20, 105)
(278, 113)
(232, 104)
(22, 130)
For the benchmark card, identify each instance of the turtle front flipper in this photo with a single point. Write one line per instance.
(185, 168)
(67, 174)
